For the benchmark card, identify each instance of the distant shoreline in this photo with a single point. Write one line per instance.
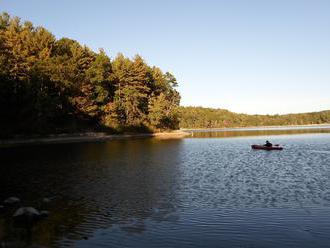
(256, 127)
(88, 137)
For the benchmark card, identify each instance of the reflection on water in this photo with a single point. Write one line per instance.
(174, 193)
(94, 185)
(224, 133)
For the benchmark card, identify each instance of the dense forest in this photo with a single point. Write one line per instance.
(50, 85)
(198, 117)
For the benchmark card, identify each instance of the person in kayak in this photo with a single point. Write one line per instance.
(268, 144)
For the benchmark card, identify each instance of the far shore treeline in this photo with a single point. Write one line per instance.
(198, 117)
(51, 86)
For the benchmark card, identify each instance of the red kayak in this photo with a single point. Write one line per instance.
(268, 148)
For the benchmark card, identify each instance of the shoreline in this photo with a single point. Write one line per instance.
(88, 137)
(102, 136)
(256, 127)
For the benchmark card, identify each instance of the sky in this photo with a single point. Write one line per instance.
(247, 56)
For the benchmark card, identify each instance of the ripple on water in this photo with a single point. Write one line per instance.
(182, 193)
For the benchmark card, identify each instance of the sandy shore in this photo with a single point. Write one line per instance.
(89, 137)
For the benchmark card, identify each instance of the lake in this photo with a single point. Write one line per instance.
(207, 190)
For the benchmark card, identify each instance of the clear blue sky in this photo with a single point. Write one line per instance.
(243, 55)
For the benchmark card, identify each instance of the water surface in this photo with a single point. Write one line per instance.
(193, 192)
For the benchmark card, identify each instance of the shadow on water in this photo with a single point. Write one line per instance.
(94, 186)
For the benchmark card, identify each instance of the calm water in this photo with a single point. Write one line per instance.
(193, 192)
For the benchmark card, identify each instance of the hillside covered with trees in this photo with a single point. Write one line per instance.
(198, 117)
(50, 85)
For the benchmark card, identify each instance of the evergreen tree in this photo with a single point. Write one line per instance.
(52, 85)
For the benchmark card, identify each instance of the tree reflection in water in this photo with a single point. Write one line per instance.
(94, 185)
(241, 133)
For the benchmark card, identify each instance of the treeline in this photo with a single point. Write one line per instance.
(50, 86)
(198, 117)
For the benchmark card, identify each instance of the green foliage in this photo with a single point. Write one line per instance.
(50, 85)
(163, 113)
(198, 117)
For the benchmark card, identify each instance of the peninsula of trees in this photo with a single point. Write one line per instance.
(50, 85)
